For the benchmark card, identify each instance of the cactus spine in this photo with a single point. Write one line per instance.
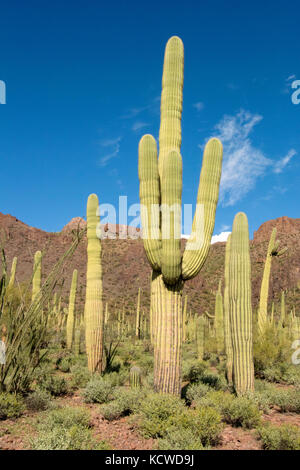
(37, 275)
(227, 330)
(12, 273)
(240, 308)
(160, 188)
(70, 318)
(94, 321)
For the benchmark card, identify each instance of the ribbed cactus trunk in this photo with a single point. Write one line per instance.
(12, 273)
(94, 321)
(219, 321)
(71, 318)
(160, 196)
(240, 308)
(227, 330)
(37, 275)
(167, 303)
(77, 336)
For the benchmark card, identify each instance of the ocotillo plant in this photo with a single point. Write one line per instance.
(93, 311)
(160, 189)
(240, 308)
(227, 330)
(219, 321)
(37, 275)
(70, 319)
(12, 273)
(264, 290)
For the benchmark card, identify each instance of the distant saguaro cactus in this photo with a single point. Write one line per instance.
(12, 273)
(135, 377)
(160, 196)
(70, 318)
(227, 330)
(219, 320)
(93, 311)
(240, 308)
(37, 275)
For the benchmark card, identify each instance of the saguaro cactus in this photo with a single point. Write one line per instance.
(135, 377)
(219, 321)
(12, 273)
(137, 320)
(240, 308)
(70, 319)
(160, 196)
(227, 330)
(264, 290)
(200, 337)
(37, 275)
(93, 311)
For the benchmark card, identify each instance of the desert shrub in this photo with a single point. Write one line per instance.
(129, 399)
(215, 399)
(11, 406)
(39, 400)
(55, 385)
(287, 400)
(218, 382)
(205, 423)
(98, 390)
(80, 376)
(284, 437)
(155, 412)
(197, 391)
(195, 371)
(65, 364)
(112, 410)
(66, 429)
(116, 379)
(180, 439)
(261, 399)
(242, 411)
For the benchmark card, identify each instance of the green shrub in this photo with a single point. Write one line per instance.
(197, 391)
(39, 400)
(215, 399)
(195, 371)
(205, 423)
(242, 411)
(284, 437)
(11, 406)
(98, 390)
(55, 385)
(112, 410)
(129, 399)
(80, 376)
(180, 439)
(65, 418)
(116, 379)
(155, 412)
(218, 382)
(287, 400)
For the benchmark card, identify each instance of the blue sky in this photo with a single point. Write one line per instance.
(83, 85)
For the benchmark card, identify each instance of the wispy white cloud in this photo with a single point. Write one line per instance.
(221, 237)
(114, 144)
(138, 125)
(134, 112)
(288, 83)
(243, 163)
(283, 162)
(199, 106)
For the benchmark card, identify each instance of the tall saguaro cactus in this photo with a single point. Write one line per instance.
(240, 308)
(264, 290)
(70, 319)
(160, 196)
(219, 320)
(93, 311)
(227, 330)
(37, 275)
(12, 273)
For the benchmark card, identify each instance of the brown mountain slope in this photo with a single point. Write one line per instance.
(125, 267)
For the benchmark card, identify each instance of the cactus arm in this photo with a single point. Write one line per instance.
(171, 190)
(198, 245)
(150, 200)
(171, 100)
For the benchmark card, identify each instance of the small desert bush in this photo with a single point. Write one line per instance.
(11, 406)
(111, 411)
(284, 437)
(98, 390)
(180, 439)
(155, 412)
(80, 376)
(193, 371)
(286, 400)
(54, 384)
(39, 400)
(282, 373)
(126, 401)
(215, 399)
(196, 391)
(242, 411)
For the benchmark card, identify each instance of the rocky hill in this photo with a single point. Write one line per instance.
(125, 267)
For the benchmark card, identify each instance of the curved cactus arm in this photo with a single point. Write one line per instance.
(198, 245)
(171, 190)
(209, 316)
(150, 200)
(281, 252)
(171, 100)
